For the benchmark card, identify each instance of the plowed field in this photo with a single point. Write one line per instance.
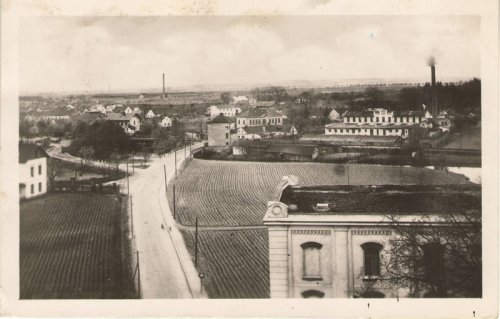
(74, 246)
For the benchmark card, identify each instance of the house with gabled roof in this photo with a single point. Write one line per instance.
(131, 123)
(259, 117)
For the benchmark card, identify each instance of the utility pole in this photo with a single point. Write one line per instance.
(128, 183)
(133, 164)
(165, 176)
(174, 200)
(175, 159)
(138, 276)
(196, 243)
(131, 216)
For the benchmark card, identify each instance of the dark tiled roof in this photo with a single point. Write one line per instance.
(358, 114)
(386, 199)
(30, 151)
(254, 129)
(220, 119)
(119, 117)
(260, 112)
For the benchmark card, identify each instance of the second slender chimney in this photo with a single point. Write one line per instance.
(163, 95)
(433, 75)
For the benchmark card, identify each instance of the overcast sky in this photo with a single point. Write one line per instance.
(131, 53)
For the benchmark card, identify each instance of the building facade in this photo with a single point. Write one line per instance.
(129, 122)
(331, 242)
(220, 132)
(226, 110)
(259, 117)
(378, 122)
(32, 171)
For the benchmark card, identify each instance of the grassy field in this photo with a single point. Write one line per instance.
(223, 193)
(74, 246)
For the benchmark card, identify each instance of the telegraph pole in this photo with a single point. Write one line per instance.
(174, 200)
(175, 159)
(131, 216)
(196, 243)
(138, 276)
(165, 176)
(128, 183)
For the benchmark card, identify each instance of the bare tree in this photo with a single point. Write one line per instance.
(437, 256)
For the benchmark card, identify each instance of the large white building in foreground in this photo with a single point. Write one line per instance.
(331, 241)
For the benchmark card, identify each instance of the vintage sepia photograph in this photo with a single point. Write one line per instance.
(250, 157)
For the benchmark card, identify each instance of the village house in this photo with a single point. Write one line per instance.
(327, 241)
(220, 132)
(32, 170)
(334, 115)
(240, 99)
(226, 110)
(150, 114)
(166, 122)
(131, 123)
(137, 110)
(259, 117)
(259, 132)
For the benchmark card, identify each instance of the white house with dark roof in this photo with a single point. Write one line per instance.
(131, 123)
(150, 114)
(331, 241)
(226, 110)
(220, 132)
(32, 170)
(259, 117)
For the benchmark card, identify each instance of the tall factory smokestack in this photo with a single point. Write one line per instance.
(432, 63)
(163, 95)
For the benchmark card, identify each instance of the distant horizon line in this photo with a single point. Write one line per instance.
(305, 84)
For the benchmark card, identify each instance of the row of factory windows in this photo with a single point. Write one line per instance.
(273, 120)
(371, 131)
(368, 119)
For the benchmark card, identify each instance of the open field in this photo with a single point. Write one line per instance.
(235, 262)
(223, 193)
(74, 245)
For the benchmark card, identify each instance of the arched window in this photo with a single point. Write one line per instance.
(313, 294)
(371, 258)
(311, 262)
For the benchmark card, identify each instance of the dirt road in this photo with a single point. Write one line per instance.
(165, 267)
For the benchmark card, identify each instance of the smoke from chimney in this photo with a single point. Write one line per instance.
(431, 61)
